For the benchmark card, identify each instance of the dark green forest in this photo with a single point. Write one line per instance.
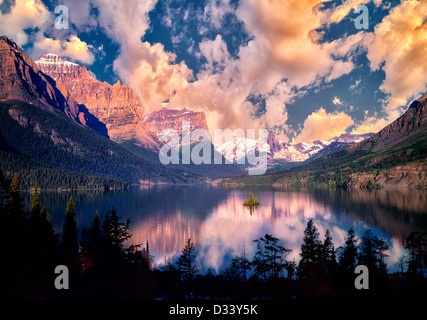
(46, 145)
(101, 266)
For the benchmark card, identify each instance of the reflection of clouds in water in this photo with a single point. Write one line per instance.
(284, 215)
(231, 227)
(396, 251)
(166, 234)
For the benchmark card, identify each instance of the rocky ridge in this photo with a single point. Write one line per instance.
(116, 106)
(20, 78)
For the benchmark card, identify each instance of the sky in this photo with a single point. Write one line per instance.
(303, 69)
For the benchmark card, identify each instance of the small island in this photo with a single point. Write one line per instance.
(251, 201)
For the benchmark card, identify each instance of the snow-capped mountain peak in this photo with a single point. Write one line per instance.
(281, 153)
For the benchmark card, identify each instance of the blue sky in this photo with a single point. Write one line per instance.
(299, 68)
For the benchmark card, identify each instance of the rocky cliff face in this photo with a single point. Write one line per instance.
(166, 119)
(406, 176)
(20, 78)
(116, 106)
(411, 122)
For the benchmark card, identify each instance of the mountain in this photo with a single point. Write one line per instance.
(43, 135)
(167, 121)
(282, 154)
(20, 78)
(394, 157)
(34, 140)
(413, 121)
(65, 129)
(116, 106)
(118, 109)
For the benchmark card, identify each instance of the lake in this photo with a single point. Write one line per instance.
(221, 227)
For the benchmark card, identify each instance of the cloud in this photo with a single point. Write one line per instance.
(374, 124)
(147, 68)
(152, 73)
(73, 48)
(336, 15)
(24, 14)
(283, 56)
(215, 10)
(286, 31)
(30, 21)
(215, 52)
(355, 85)
(321, 125)
(371, 125)
(276, 64)
(337, 101)
(398, 48)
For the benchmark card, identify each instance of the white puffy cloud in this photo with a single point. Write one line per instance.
(337, 14)
(73, 48)
(398, 47)
(215, 52)
(283, 57)
(321, 125)
(24, 14)
(33, 14)
(284, 46)
(147, 68)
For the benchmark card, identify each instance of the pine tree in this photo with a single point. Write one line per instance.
(367, 255)
(234, 271)
(268, 260)
(15, 204)
(416, 243)
(36, 255)
(91, 243)
(34, 224)
(48, 235)
(48, 246)
(373, 253)
(310, 264)
(45, 216)
(14, 237)
(95, 231)
(114, 231)
(147, 259)
(70, 245)
(35, 204)
(114, 234)
(329, 258)
(186, 261)
(244, 262)
(348, 258)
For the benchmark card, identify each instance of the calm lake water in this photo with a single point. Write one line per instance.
(221, 227)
